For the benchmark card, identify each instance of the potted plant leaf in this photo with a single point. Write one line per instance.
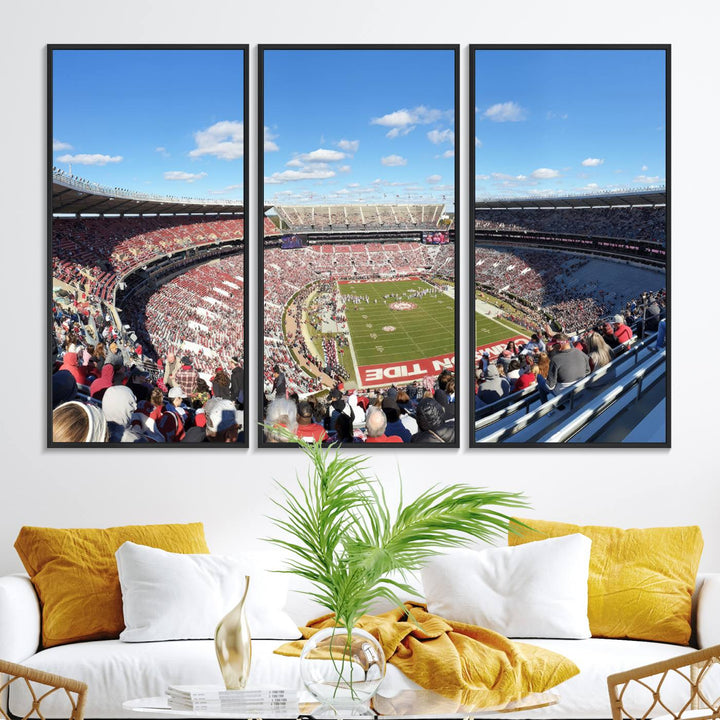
(343, 537)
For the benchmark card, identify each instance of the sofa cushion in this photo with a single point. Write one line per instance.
(641, 580)
(183, 596)
(534, 590)
(75, 574)
(117, 671)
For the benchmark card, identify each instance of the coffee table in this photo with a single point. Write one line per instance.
(406, 705)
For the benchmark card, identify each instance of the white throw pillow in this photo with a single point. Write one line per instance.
(536, 590)
(176, 596)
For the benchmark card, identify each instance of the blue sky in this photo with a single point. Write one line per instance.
(349, 126)
(153, 121)
(551, 121)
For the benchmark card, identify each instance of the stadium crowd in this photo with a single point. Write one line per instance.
(200, 313)
(420, 412)
(106, 390)
(639, 223)
(544, 281)
(551, 362)
(328, 217)
(95, 253)
(289, 273)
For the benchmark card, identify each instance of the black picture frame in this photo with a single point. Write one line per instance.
(262, 207)
(493, 427)
(246, 214)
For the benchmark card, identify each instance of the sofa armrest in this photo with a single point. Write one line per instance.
(708, 610)
(19, 618)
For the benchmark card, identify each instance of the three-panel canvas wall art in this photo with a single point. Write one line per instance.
(555, 333)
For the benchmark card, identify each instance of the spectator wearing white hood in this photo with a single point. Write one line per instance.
(352, 400)
(119, 404)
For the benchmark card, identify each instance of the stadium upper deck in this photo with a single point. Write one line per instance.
(646, 197)
(72, 195)
(360, 217)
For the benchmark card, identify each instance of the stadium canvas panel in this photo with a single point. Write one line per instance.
(359, 173)
(569, 264)
(147, 190)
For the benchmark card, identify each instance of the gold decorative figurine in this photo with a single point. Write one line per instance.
(233, 646)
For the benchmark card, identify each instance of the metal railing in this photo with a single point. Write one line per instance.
(524, 402)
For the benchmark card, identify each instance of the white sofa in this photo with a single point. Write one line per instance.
(116, 671)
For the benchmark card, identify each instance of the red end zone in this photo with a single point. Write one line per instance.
(496, 348)
(404, 372)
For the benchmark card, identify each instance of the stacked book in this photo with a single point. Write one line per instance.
(257, 701)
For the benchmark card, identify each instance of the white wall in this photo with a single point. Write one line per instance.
(228, 490)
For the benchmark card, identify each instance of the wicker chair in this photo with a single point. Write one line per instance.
(41, 685)
(697, 672)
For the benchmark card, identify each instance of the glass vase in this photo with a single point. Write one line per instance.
(342, 670)
(233, 645)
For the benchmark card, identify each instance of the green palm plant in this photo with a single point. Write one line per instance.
(344, 538)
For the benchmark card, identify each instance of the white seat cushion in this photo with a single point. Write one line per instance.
(117, 671)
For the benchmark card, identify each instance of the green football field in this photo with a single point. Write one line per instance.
(489, 331)
(426, 331)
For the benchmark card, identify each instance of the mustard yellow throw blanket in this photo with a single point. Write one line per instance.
(469, 665)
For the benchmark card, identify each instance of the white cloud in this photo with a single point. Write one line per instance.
(593, 162)
(162, 151)
(433, 179)
(222, 140)
(295, 175)
(447, 155)
(646, 179)
(294, 163)
(478, 143)
(85, 159)
(399, 131)
(344, 169)
(393, 161)
(545, 173)
(350, 146)
(59, 145)
(482, 177)
(644, 168)
(184, 176)
(399, 118)
(269, 145)
(321, 155)
(440, 136)
(505, 112)
(403, 118)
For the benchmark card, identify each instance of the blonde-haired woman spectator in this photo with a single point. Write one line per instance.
(76, 422)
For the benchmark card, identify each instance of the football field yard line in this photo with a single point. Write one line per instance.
(489, 330)
(422, 335)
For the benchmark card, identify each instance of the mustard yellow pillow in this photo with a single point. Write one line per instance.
(75, 574)
(641, 580)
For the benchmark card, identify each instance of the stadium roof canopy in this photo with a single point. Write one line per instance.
(72, 195)
(648, 196)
